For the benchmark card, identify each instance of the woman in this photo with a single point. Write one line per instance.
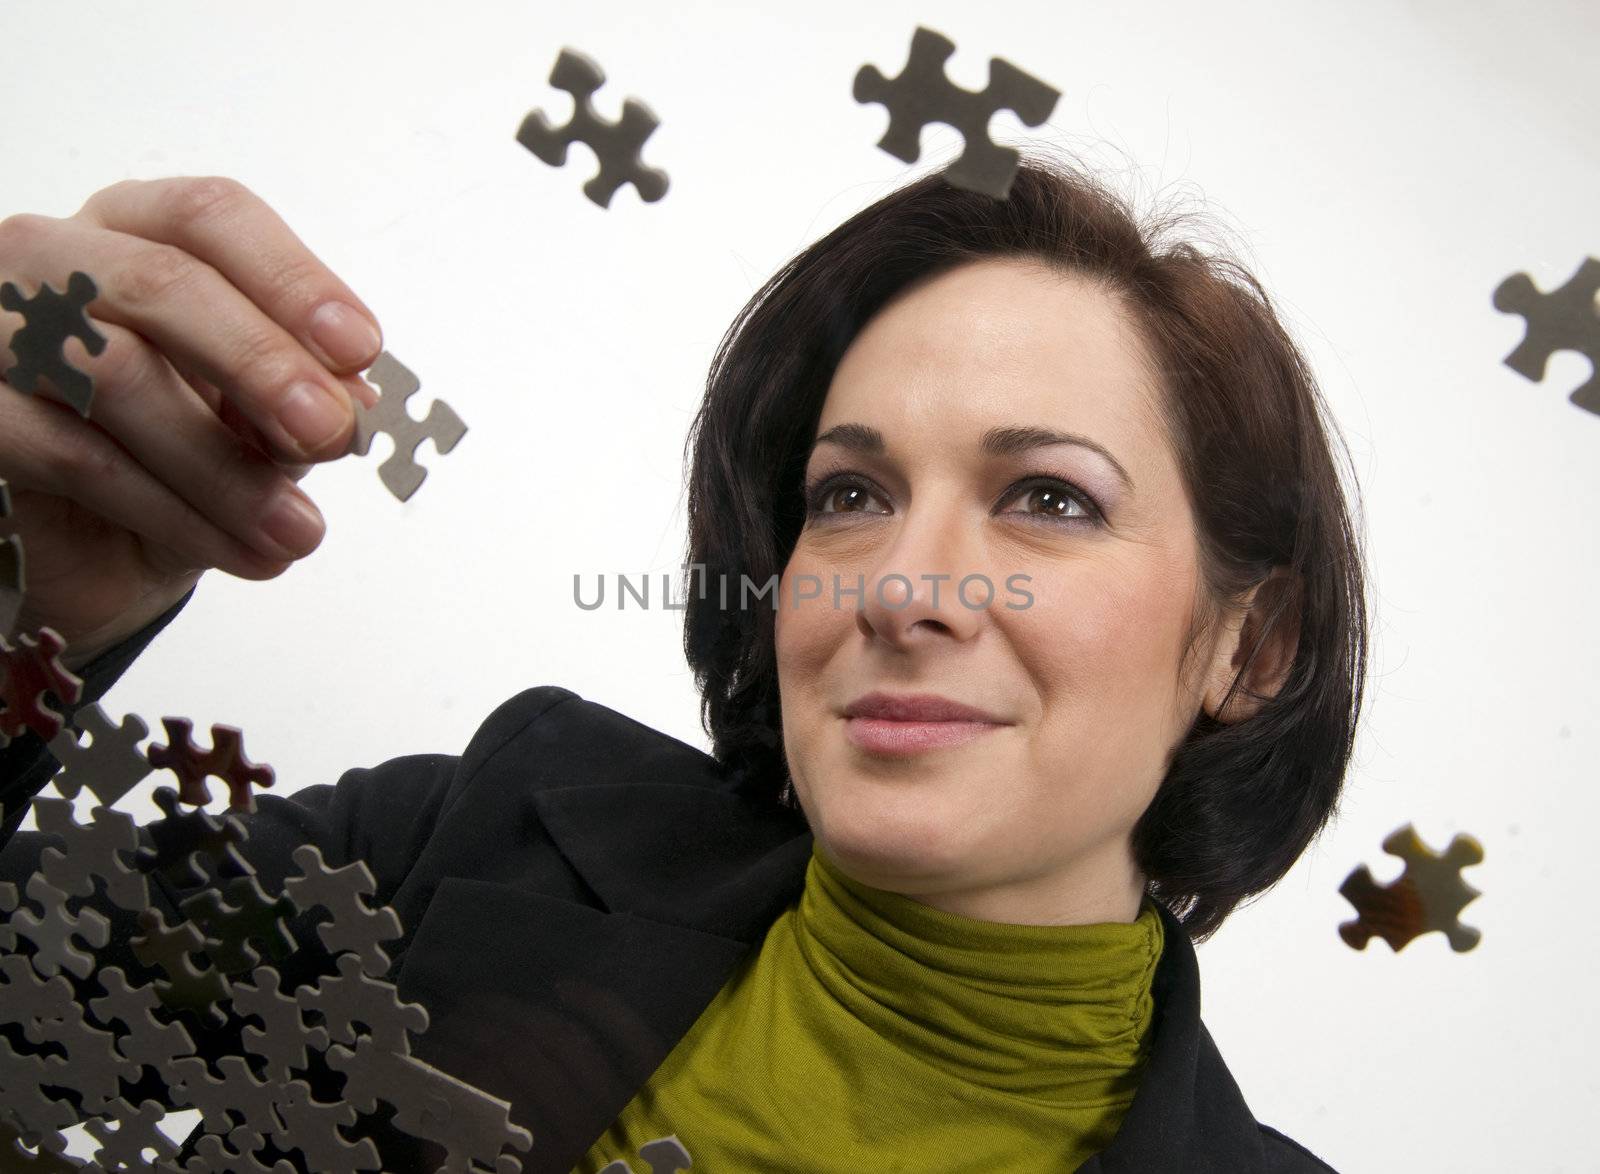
(1028, 620)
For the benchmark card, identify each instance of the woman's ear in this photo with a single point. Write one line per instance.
(1268, 622)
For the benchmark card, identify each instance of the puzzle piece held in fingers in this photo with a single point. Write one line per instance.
(1428, 895)
(396, 384)
(52, 319)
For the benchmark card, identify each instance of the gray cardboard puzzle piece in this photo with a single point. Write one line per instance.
(355, 926)
(923, 94)
(615, 144)
(136, 1134)
(1565, 319)
(314, 1128)
(147, 1040)
(25, 1109)
(92, 852)
(471, 1125)
(352, 997)
(54, 930)
(110, 765)
(400, 473)
(52, 318)
(284, 1040)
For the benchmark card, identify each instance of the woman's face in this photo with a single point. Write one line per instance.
(928, 463)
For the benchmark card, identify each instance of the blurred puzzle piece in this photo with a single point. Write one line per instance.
(1428, 895)
(401, 474)
(26, 675)
(923, 94)
(52, 319)
(616, 145)
(1567, 319)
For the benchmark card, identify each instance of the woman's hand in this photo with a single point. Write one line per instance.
(228, 371)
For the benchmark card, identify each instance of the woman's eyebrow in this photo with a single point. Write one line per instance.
(998, 442)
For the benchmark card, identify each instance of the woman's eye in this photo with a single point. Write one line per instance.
(840, 497)
(1056, 500)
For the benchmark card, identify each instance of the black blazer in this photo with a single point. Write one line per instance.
(576, 886)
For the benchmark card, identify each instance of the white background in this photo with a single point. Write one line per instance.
(1381, 167)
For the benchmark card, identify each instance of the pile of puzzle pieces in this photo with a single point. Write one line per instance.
(296, 1065)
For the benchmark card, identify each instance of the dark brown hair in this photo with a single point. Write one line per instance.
(1240, 801)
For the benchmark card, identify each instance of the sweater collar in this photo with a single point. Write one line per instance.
(1055, 1013)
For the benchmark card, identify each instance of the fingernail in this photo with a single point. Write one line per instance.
(312, 415)
(346, 335)
(293, 525)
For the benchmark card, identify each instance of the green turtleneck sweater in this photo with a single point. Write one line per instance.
(871, 1031)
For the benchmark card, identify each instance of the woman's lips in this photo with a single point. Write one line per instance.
(882, 736)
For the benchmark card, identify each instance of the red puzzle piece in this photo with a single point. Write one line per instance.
(225, 759)
(26, 674)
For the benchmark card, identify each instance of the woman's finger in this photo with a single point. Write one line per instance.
(237, 233)
(46, 446)
(191, 313)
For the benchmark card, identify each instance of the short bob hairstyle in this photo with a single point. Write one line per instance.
(1240, 802)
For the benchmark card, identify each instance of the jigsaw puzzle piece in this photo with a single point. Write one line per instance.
(188, 986)
(124, 1148)
(354, 998)
(355, 927)
(284, 1040)
(616, 145)
(1429, 895)
(1565, 319)
(313, 1127)
(239, 918)
(52, 318)
(92, 852)
(181, 838)
(923, 94)
(54, 930)
(45, 1150)
(471, 1125)
(147, 1040)
(400, 473)
(222, 1091)
(14, 1157)
(225, 760)
(110, 765)
(235, 1156)
(27, 673)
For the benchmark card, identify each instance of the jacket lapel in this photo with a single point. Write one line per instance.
(566, 1009)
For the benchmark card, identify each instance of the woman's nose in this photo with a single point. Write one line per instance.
(930, 579)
